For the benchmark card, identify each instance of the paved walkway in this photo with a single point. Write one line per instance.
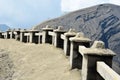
(38, 61)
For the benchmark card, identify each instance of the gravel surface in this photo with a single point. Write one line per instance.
(35, 62)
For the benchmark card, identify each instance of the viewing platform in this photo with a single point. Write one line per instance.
(81, 53)
(38, 61)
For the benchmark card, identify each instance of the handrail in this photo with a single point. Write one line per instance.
(59, 40)
(51, 33)
(27, 34)
(39, 34)
(106, 72)
(62, 36)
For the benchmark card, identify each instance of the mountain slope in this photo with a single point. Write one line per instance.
(101, 22)
(4, 27)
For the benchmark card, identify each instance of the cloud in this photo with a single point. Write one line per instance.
(24, 12)
(117, 2)
(71, 5)
(19, 10)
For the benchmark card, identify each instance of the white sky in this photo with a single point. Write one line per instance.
(71, 5)
(27, 13)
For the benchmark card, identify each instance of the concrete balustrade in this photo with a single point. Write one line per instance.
(90, 57)
(45, 37)
(17, 34)
(39, 34)
(23, 38)
(58, 42)
(65, 37)
(6, 34)
(82, 56)
(31, 37)
(75, 56)
(56, 37)
(27, 36)
(52, 34)
(1, 35)
(11, 33)
(106, 72)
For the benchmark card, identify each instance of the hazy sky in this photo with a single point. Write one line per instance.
(28, 13)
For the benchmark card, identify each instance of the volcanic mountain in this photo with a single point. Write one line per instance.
(4, 27)
(100, 22)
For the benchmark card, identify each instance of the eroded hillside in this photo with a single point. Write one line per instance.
(101, 22)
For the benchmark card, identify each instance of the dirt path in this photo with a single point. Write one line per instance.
(38, 62)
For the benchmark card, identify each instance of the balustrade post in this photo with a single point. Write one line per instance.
(75, 56)
(65, 37)
(23, 38)
(1, 35)
(90, 57)
(11, 33)
(7, 35)
(58, 42)
(45, 37)
(39, 34)
(17, 34)
(32, 37)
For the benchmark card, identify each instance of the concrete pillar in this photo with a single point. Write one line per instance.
(17, 34)
(75, 56)
(90, 57)
(11, 33)
(1, 35)
(58, 42)
(32, 37)
(52, 34)
(4, 35)
(7, 35)
(39, 34)
(65, 37)
(23, 38)
(45, 37)
(27, 35)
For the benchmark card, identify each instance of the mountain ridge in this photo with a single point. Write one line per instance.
(4, 27)
(100, 22)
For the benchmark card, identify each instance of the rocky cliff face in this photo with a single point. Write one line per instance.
(101, 22)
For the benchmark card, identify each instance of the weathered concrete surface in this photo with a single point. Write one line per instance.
(1, 36)
(58, 42)
(106, 72)
(52, 34)
(17, 34)
(75, 56)
(45, 37)
(23, 38)
(39, 34)
(28, 36)
(4, 34)
(31, 37)
(65, 37)
(11, 33)
(38, 62)
(90, 57)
